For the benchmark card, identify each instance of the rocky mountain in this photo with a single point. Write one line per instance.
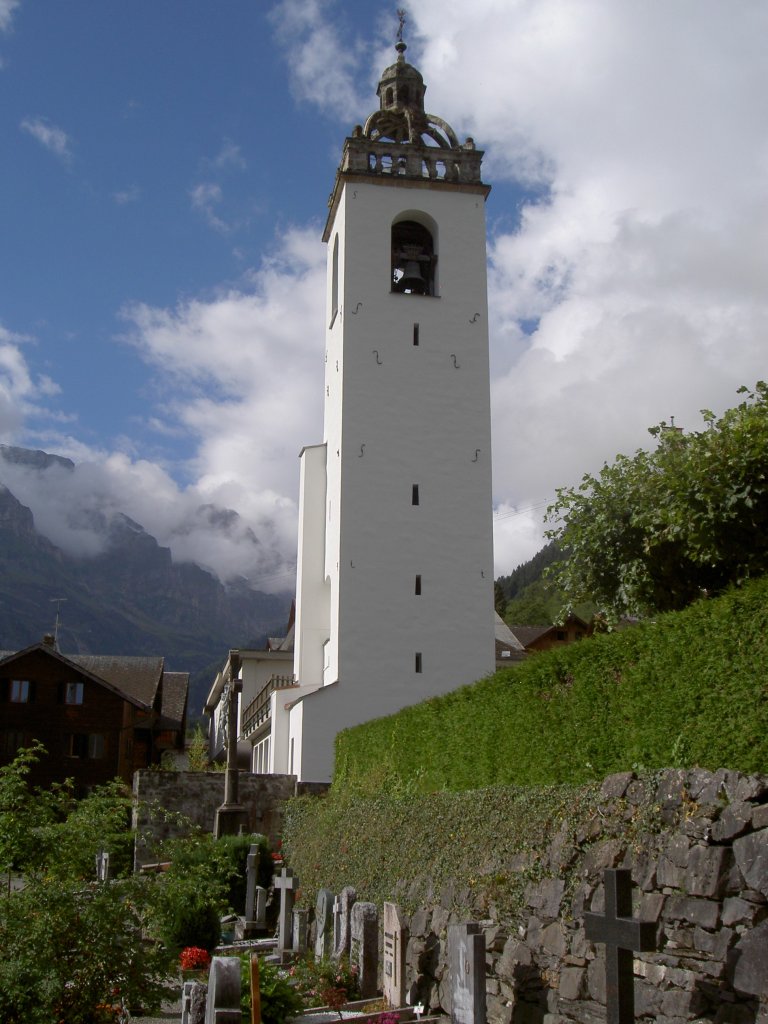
(130, 598)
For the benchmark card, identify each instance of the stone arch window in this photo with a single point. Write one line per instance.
(389, 97)
(335, 281)
(414, 255)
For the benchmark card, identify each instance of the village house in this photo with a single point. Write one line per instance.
(99, 717)
(543, 638)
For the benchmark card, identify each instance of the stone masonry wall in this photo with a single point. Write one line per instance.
(195, 796)
(703, 880)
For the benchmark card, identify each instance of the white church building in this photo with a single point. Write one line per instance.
(394, 598)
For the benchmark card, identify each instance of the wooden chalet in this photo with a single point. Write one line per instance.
(99, 717)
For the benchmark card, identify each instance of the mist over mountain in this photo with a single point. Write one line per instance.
(118, 590)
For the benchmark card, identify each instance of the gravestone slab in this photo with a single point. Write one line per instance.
(193, 998)
(342, 909)
(466, 965)
(250, 884)
(364, 946)
(300, 930)
(223, 1003)
(324, 924)
(287, 884)
(395, 944)
(102, 866)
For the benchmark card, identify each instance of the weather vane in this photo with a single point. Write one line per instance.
(401, 12)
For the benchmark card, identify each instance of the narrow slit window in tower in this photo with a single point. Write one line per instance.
(415, 495)
(418, 661)
(415, 334)
(417, 585)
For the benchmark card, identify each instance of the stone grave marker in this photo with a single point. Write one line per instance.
(364, 946)
(466, 964)
(287, 884)
(300, 930)
(395, 943)
(193, 999)
(250, 884)
(223, 1003)
(621, 934)
(102, 866)
(342, 909)
(324, 924)
(260, 910)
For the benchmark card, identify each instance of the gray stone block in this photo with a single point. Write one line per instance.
(573, 983)
(695, 911)
(738, 911)
(751, 854)
(734, 821)
(748, 962)
(707, 870)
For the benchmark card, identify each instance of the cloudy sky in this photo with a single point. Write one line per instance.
(164, 173)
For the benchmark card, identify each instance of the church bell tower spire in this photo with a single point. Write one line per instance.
(395, 576)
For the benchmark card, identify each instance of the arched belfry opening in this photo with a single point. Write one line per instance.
(414, 259)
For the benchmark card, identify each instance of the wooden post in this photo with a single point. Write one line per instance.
(255, 991)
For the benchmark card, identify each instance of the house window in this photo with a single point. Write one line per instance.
(417, 586)
(21, 691)
(418, 661)
(415, 495)
(11, 741)
(73, 693)
(86, 745)
(561, 634)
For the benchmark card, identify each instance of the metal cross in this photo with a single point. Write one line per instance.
(621, 934)
(401, 12)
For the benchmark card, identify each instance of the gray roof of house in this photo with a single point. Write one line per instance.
(174, 702)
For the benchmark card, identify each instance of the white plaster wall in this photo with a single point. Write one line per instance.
(312, 588)
(416, 415)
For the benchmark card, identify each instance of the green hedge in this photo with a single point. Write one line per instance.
(686, 689)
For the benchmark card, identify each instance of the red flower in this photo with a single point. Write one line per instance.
(193, 958)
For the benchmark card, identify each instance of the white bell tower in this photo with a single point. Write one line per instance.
(395, 577)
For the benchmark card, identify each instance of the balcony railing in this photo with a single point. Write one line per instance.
(258, 710)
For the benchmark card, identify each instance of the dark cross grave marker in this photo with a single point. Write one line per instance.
(622, 934)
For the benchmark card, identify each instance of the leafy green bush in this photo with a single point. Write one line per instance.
(320, 982)
(69, 943)
(191, 919)
(279, 997)
(686, 689)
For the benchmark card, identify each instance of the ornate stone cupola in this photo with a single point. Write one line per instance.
(401, 140)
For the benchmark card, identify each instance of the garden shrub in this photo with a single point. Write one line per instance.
(280, 999)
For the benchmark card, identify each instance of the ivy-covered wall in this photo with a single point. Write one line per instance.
(528, 862)
(690, 688)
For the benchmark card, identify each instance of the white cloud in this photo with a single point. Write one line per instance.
(127, 195)
(229, 156)
(322, 66)
(21, 392)
(48, 135)
(641, 263)
(7, 8)
(205, 198)
(644, 263)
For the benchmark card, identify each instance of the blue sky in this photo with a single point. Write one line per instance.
(164, 172)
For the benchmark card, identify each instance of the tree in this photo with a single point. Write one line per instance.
(655, 532)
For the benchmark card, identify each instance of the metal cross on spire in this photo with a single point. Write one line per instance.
(401, 13)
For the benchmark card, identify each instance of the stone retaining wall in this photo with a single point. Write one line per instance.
(704, 881)
(195, 796)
